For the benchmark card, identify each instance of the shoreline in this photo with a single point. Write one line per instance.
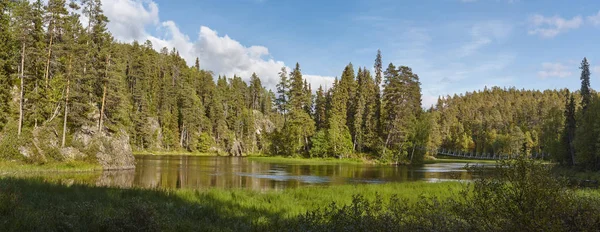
(8, 167)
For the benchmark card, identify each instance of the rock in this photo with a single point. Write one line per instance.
(71, 153)
(85, 135)
(156, 133)
(25, 151)
(113, 152)
(236, 148)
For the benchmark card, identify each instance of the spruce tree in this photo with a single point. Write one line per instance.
(586, 94)
(283, 93)
(569, 130)
(320, 109)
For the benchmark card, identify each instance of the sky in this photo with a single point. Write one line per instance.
(453, 45)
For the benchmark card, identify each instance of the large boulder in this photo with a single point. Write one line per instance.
(111, 150)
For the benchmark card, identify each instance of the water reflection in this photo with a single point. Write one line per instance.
(238, 172)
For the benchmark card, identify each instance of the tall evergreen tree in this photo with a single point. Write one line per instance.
(283, 87)
(6, 49)
(320, 109)
(378, 78)
(586, 94)
(569, 130)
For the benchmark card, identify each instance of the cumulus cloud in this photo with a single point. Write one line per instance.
(549, 27)
(554, 70)
(131, 20)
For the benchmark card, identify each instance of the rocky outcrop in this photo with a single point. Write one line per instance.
(156, 136)
(112, 151)
(236, 148)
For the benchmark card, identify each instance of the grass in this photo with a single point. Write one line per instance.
(7, 166)
(34, 204)
(187, 153)
(523, 196)
(299, 160)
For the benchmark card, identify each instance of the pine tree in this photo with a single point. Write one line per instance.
(358, 111)
(586, 95)
(56, 17)
(23, 27)
(338, 134)
(402, 102)
(378, 78)
(320, 109)
(283, 93)
(256, 91)
(569, 131)
(6, 48)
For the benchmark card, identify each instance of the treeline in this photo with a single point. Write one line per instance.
(65, 76)
(501, 121)
(59, 73)
(558, 123)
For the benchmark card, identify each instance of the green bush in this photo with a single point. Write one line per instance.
(10, 141)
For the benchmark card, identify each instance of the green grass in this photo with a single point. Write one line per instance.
(299, 160)
(72, 166)
(34, 204)
(187, 153)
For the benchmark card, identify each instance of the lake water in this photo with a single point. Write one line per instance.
(194, 172)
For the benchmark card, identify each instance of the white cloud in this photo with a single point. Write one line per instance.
(483, 34)
(549, 27)
(128, 18)
(218, 53)
(594, 19)
(554, 70)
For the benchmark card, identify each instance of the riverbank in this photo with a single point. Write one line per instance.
(299, 160)
(33, 204)
(163, 153)
(454, 160)
(355, 159)
(7, 167)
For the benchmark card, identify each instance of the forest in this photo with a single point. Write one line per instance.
(59, 76)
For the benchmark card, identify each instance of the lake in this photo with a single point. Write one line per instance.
(199, 172)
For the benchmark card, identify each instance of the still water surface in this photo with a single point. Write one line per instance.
(195, 172)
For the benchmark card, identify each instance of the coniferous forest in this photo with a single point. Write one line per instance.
(363, 154)
(60, 77)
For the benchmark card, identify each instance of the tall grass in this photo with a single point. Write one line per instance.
(522, 197)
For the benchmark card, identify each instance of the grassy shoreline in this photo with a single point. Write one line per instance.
(32, 204)
(7, 167)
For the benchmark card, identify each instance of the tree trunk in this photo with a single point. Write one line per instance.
(182, 135)
(21, 93)
(64, 134)
(104, 94)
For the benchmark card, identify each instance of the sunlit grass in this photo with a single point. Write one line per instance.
(33, 203)
(7, 166)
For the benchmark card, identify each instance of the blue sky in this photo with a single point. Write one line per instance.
(453, 45)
